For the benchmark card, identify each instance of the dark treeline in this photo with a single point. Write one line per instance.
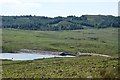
(29, 22)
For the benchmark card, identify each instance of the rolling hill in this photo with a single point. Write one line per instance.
(29, 22)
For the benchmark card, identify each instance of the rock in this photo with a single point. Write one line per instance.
(65, 54)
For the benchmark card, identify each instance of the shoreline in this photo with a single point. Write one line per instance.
(61, 53)
(37, 52)
(79, 54)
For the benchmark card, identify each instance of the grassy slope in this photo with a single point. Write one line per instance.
(78, 67)
(103, 41)
(100, 41)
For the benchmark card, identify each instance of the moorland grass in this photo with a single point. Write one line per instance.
(77, 67)
(102, 41)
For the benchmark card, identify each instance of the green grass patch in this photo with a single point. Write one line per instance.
(103, 41)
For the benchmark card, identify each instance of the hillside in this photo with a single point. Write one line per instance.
(100, 41)
(29, 22)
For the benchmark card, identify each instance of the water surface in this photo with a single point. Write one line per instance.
(27, 56)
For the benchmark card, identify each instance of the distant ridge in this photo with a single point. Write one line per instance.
(29, 22)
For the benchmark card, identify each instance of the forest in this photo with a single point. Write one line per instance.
(29, 22)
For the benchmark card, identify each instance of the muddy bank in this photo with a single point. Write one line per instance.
(38, 51)
(45, 52)
(60, 53)
(91, 54)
